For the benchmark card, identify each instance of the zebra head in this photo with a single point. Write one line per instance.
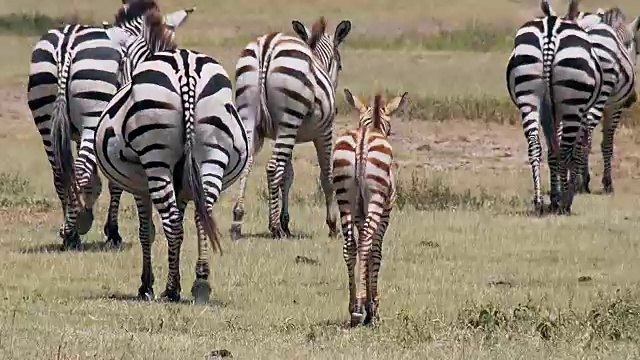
(377, 115)
(634, 46)
(325, 47)
(154, 33)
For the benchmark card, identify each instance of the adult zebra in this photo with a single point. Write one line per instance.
(365, 190)
(170, 135)
(616, 44)
(553, 77)
(73, 74)
(285, 91)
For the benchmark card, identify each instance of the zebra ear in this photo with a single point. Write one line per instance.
(301, 30)
(546, 8)
(353, 101)
(106, 25)
(176, 19)
(634, 26)
(342, 30)
(396, 104)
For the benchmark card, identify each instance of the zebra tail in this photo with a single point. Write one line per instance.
(547, 116)
(265, 124)
(61, 137)
(195, 181)
(360, 175)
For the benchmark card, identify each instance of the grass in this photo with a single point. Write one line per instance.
(467, 273)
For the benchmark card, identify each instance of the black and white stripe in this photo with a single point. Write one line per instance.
(553, 77)
(285, 91)
(171, 135)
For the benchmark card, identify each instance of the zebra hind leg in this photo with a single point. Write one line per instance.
(91, 195)
(275, 172)
(146, 233)
(286, 188)
(112, 236)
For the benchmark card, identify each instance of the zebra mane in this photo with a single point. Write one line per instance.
(317, 32)
(614, 18)
(573, 11)
(376, 121)
(134, 9)
(156, 33)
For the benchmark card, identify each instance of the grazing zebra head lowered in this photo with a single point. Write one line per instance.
(285, 90)
(364, 184)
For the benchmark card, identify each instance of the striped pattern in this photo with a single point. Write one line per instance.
(171, 135)
(285, 91)
(553, 76)
(363, 180)
(615, 44)
(72, 76)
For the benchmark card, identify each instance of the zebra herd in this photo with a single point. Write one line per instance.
(164, 124)
(565, 74)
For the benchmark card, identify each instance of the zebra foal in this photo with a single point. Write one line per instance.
(170, 135)
(365, 192)
(285, 91)
(553, 77)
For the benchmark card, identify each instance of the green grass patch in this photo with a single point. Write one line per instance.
(36, 23)
(16, 192)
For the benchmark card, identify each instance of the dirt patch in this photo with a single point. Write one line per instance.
(13, 103)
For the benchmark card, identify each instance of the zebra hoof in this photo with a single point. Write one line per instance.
(171, 295)
(112, 238)
(538, 208)
(146, 293)
(277, 232)
(372, 314)
(608, 189)
(357, 315)
(235, 232)
(200, 291)
(71, 242)
(84, 221)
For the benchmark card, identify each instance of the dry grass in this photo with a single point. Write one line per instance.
(466, 273)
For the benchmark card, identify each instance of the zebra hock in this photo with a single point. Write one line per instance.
(553, 77)
(285, 91)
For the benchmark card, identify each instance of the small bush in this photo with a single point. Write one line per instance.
(433, 194)
(35, 24)
(15, 191)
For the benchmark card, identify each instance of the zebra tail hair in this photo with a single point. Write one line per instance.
(266, 123)
(547, 116)
(361, 194)
(197, 189)
(61, 138)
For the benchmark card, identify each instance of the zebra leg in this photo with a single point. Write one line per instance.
(583, 165)
(534, 150)
(367, 251)
(275, 173)
(324, 147)
(238, 207)
(112, 236)
(286, 188)
(201, 289)
(90, 194)
(350, 254)
(146, 232)
(376, 260)
(554, 192)
(608, 133)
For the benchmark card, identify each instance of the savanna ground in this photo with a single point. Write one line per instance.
(466, 272)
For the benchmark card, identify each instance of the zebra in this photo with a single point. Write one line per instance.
(170, 135)
(285, 91)
(616, 44)
(365, 192)
(74, 72)
(553, 77)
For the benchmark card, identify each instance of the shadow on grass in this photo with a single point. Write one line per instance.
(122, 297)
(93, 246)
(295, 235)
